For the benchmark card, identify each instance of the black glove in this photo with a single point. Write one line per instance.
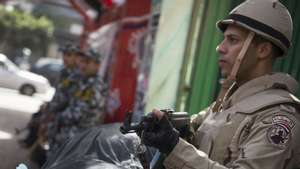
(160, 134)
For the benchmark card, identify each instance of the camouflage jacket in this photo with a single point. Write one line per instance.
(88, 104)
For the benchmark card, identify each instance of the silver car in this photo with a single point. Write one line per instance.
(25, 82)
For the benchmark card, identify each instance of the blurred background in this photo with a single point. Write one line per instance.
(157, 53)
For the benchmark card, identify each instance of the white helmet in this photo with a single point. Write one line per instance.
(268, 18)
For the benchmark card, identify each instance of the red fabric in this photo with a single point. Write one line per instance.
(89, 24)
(124, 74)
(108, 3)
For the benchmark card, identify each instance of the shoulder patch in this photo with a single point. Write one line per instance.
(279, 133)
(283, 120)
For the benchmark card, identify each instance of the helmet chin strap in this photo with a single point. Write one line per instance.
(232, 76)
(227, 83)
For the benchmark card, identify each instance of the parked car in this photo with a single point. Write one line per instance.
(25, 82)
(49, 68)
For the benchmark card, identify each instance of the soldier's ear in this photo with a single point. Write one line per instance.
(264, 50)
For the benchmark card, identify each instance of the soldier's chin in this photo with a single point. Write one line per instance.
(224, 74)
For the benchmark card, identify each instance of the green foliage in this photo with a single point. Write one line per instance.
(19, 20)
(21, 29)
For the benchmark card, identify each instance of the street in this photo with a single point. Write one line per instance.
(15, 112)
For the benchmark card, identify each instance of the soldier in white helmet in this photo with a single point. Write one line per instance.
(257, 123)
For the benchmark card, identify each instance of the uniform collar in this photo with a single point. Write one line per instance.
(270, 81)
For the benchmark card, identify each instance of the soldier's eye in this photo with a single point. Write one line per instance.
(232, 40)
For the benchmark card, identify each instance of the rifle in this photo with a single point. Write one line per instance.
(180, 121)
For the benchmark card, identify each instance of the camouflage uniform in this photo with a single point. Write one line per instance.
(86, 110)
(65, 91)
(66, 84)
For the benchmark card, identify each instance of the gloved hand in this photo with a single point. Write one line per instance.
(162, 135)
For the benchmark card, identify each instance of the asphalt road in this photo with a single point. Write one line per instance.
(15, 112)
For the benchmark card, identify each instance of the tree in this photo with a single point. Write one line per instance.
(21, 29)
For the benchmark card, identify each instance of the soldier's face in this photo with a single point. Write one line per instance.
(89, 67)
(230, 47)
(93, 67)
(69, 60)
